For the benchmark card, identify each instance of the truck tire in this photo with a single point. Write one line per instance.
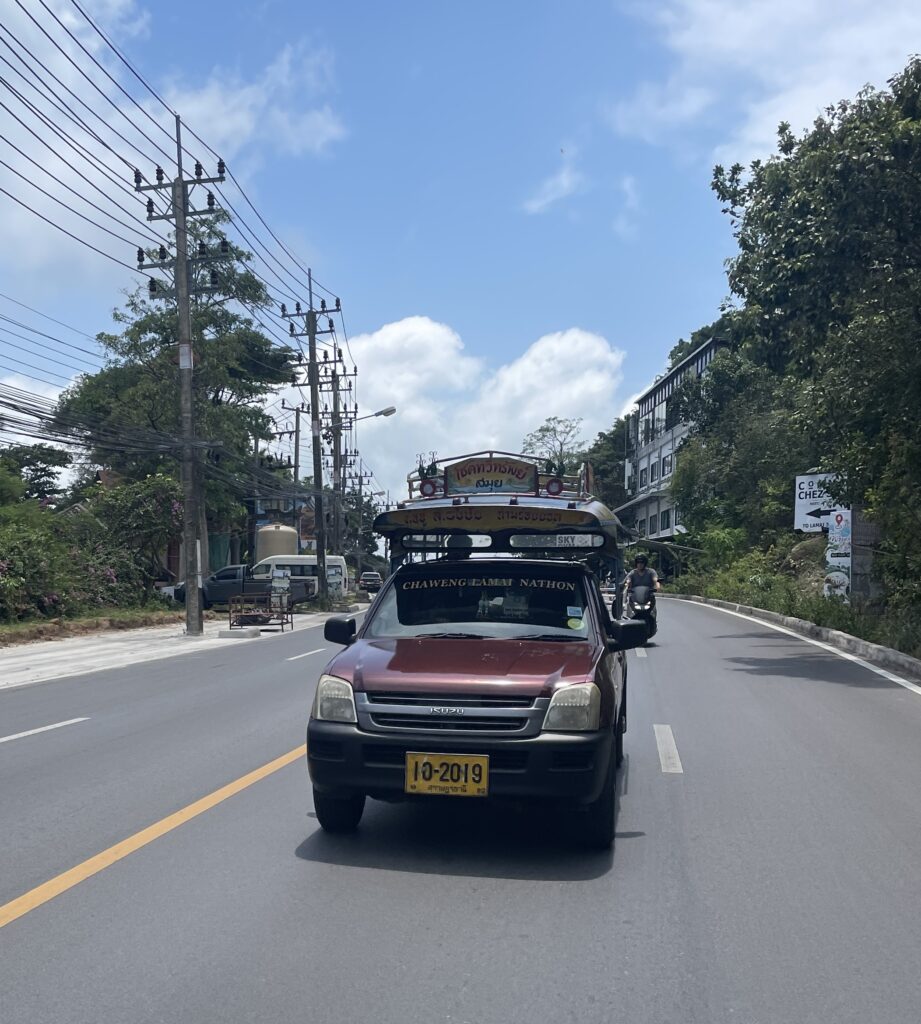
(598, 823)
(338, 814)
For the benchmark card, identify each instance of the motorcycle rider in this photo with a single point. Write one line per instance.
(641, 576)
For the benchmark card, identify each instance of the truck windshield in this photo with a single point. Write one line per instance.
(509, 604)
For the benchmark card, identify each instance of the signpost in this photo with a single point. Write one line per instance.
(813, 504)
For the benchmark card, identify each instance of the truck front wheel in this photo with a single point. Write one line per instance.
(338, 813)
(598, 818)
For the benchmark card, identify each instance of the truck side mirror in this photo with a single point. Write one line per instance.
(340, 630)
(625, 635)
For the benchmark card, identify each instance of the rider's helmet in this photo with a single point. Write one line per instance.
(641, 560)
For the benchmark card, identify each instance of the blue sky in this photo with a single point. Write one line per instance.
(511, 198)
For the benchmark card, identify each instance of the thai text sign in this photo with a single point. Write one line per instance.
(491, 476)
(484, 518)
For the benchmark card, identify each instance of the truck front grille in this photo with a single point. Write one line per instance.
(459, 723)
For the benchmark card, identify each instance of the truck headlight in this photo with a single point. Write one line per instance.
(334, 701)
(574, 708)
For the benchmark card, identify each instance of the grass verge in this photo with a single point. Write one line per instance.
(103, 620)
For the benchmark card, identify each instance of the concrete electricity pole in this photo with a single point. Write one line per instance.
(182, 292)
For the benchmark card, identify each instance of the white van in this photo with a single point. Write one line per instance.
(337, 572)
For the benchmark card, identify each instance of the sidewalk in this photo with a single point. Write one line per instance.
(43, 660)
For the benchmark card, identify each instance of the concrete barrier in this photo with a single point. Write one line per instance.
(875, 654)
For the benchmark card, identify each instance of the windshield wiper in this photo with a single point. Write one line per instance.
(457, 636)
(551, 636)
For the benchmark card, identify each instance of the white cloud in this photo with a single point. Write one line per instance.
(282, 108)
(742, 66)
(625, 221)
(450, 402)
(566, 182)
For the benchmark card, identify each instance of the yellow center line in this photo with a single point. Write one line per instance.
(74, 876)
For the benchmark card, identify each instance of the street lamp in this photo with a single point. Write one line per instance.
(337, 427)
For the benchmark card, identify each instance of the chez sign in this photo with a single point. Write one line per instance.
(491, 476)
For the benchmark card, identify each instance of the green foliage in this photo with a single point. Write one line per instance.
(606, 456)
(37, 465)
(559, 442)
(236, 365)
(824, 368)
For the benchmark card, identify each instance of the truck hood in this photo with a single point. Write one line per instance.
(424, 665)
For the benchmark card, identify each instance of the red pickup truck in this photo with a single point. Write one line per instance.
(491, 678)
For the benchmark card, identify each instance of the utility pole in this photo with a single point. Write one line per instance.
(313, 373)
(182, 292)
(337, 465)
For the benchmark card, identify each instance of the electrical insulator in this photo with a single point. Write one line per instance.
(338, 307)
(300, 357)
(325, 356)
(150, 207)
(160, 175)
(163, 254)
(199, 170)
(322, 305)
(210, 200)
(291, 329)
(213, 278)
(297, 308)
(338, 352)
(202, 249)
(137, 178)
(225, 247)
(152, 288)
(221, 167)
(329, 324)
(354, 369)
(140, 257)
(284, 310)
(350, 385)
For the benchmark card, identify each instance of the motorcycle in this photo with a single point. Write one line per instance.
(641, 605)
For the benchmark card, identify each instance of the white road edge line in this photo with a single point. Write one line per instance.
(640, 653)
(44, 728)
(891, 676)
(668, 750)
(306, 654)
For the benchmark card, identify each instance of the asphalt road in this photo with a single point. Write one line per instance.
(774, 878)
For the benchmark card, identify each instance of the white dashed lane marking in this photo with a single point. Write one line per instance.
(44, 728)
(306, 654)
(668, 750)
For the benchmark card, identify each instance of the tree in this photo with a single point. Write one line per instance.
(38, 466)
(137, 391)
(559, 442)
(607, 455)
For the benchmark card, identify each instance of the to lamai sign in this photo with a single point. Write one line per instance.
(812, 502)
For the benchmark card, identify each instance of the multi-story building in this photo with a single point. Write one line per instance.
(654, 433)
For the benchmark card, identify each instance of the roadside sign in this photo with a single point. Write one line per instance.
(838, 556)
(813, 505)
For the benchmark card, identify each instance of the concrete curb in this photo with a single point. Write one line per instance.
(875, 654)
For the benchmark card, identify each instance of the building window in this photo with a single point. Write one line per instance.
(641, 527)
(666, 465)
(665, 519)
(677, 515)
(654, 471)
(653, 524)
(644, 477)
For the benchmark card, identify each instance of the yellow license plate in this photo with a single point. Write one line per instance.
(447, 774)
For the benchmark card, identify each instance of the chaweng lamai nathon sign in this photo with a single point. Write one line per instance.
(491, 476)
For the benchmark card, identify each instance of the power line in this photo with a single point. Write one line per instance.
(101, 92)
(114, 259)
(73, 191)
(38, 312)
(48, 94)
(50, 337)
(123, 59)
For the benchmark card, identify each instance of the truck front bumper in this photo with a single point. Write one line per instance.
(559, 767)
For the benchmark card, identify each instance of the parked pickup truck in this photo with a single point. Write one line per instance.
(235, 580)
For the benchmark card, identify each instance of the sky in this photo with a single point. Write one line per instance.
(511, 199)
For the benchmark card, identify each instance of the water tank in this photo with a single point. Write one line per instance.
(275, 539)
